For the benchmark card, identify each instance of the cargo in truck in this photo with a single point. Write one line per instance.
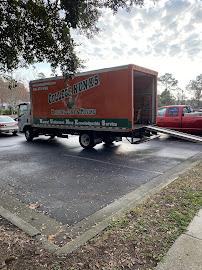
(100, 106)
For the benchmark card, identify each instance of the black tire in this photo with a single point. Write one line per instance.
(86, 140)
(29, 134)
(52, 137)
(15, 133)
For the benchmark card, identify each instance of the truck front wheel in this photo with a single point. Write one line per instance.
(86, 140)
(29, 134)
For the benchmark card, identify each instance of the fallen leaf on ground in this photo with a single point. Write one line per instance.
(51, 237)
(34, 205)
(9, 260)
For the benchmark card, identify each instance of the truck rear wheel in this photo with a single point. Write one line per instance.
(29, 134)
(86, 140)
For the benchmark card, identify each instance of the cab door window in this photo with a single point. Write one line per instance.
(161, 112)
(173, 112)
(187, 110)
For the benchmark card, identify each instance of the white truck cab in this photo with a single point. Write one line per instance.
(23, 116)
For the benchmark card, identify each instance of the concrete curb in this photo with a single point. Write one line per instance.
(33, 217)
(18, 222)
(27, 228)
(96, 223)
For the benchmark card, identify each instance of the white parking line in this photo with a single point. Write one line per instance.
(7, 146)
(113, 164)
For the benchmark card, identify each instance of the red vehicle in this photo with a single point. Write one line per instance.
(180, 117)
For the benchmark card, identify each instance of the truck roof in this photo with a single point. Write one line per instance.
(168, 106)
(135, 67)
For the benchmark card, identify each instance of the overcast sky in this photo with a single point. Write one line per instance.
(165, 36)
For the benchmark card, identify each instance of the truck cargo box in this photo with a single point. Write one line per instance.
(113, 99)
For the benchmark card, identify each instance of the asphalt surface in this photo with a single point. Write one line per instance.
(71, 183)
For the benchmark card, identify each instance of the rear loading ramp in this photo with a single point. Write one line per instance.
(176, 134)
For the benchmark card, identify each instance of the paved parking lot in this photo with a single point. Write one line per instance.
(71, 183)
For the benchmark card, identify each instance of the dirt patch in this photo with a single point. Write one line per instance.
(138, 240)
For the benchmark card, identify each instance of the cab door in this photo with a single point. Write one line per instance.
(160, 119)
(23, 115)
(173, 117)
(191, 123)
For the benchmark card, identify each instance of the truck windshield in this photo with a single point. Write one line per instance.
(22, 109)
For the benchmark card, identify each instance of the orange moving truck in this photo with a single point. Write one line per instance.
(100, 106)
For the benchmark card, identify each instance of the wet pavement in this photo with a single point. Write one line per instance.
(71, 183)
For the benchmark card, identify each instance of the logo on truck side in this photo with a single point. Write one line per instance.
(71, 92)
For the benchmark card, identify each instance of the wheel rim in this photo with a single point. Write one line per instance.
(85, 139)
